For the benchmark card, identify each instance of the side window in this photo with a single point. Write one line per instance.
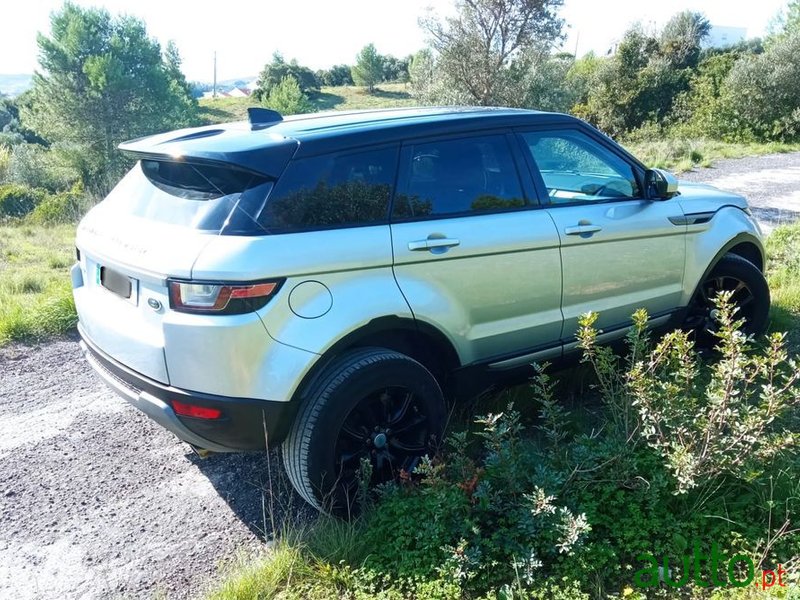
(332, 190)
(575, 168)
(462, 176)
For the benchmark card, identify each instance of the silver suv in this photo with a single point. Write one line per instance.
(327, 281)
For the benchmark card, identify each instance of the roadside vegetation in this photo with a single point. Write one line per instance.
(35, 291)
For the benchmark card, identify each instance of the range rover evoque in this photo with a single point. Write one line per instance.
(326, 281)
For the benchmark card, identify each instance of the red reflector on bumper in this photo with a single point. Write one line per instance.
(192, 410)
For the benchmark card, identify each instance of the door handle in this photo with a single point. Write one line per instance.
(582, 229)
(433, 243)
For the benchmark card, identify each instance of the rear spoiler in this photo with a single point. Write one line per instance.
(231, 145)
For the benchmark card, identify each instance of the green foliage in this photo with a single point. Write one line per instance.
(5, 161)
(35, 292)
(63, 207)
(762, 95)
(705, 421)
(287, 98)
(681, 38)
(484, 522)
(103, 80)
(478, 47)
(53, 168)
(335, 76)
(18, 200)
(368, 70)
(275, 72)
(638, 84)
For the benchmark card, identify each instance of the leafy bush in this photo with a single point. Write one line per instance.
(54, 169)
(763, 94)
(484, 523)
(64, 207)
(18, 200)
(275, 72)
(5, 160)
(287, 98)
(705, 421)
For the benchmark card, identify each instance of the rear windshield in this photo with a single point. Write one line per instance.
(203, 197)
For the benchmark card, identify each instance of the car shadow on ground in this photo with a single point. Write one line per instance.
(256, 488)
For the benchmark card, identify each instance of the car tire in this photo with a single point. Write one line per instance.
(751, 296)
(370, 403)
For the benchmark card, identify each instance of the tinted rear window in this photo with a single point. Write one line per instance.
(203, 197)
(459, 177)
(335, 190)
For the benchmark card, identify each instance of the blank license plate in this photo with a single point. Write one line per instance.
(116, 282)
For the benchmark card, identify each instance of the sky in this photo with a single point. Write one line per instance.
(321, 33)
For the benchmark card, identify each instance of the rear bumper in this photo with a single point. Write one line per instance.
(241, 427)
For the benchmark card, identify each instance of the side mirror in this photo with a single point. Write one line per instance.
(660, 184)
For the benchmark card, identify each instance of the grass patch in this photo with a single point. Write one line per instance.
(35, 289)
(685, 154)
(388, 95)
(783, 273)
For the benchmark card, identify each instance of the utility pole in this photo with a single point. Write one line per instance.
(215, 74)
(577, 39)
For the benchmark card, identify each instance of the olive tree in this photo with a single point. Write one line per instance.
(477, 48)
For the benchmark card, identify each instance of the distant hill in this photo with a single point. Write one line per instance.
(15, 84)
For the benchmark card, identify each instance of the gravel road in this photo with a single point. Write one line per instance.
(96, 501)
(771, 184)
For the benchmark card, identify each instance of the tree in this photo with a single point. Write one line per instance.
(682, 37)
(762, 93)
(368, 69)
(395, 69)
(103, 80)
(172, 62)
(477, 48)
(277, 70)
(335, 76)
(287, 98)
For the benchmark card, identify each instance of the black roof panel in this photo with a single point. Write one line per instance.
(266, 148)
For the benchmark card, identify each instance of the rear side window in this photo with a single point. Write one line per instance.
(459, 176)
(203, 197)
(336, 190)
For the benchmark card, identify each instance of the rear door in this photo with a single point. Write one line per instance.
(473, 254)
(619, 250)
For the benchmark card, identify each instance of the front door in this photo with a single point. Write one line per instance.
(619, 251)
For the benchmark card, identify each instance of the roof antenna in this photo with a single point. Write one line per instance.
(263, 117)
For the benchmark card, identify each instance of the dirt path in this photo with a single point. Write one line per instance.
(770, 183)
(96, 501)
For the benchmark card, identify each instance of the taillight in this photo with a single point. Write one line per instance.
(193, 410)
(220, 298)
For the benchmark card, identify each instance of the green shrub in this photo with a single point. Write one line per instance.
(705, 421)
(50, 168)
(64, 207)
(287, 98)
(484, 523)
(18, 200)
(5, 160)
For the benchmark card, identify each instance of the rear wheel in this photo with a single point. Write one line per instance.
(749, 293)
(372, 405)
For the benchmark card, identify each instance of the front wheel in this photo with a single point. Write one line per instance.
(749, 294)
(372, 405)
